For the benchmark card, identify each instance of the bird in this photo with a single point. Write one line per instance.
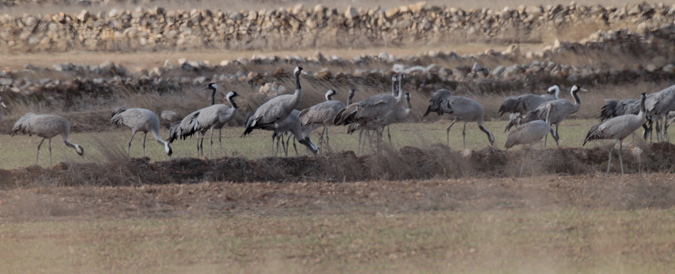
(396, 115)
(208, 118)
(658, 105)
(523, 103)
(46, 126)
(614, 108)
(139, 119)
(292, 125)
(276, 109)
(561, 108)
(370, 109)
(322, 114)
(462, 108)
(2, 104)
(618, 128)
(529, 133)
(186, 126)
(367, 127)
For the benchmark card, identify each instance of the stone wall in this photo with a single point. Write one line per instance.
(427, 72)
(299, 27)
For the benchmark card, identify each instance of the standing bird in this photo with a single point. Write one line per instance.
(521, 104)
(559, 111)
(139, 119)
(208, 118)
(46, 126)
(2, 104)
(322, 114)
(461, 108)
(396, 115)
(657, 106)
(615, 108)
(276, 109)
(369, 110)
(290, 124)
(186, 126)
(618, 128)
(529, 133)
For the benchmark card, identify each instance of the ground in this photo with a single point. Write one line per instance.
(420, 206)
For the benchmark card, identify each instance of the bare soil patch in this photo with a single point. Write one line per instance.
(409, 163)
(549, 192)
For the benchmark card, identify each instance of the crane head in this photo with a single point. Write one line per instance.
(352, 92)
(213, 86)
(298, 70)
(407, 96)
(232, 94)
(80, 150)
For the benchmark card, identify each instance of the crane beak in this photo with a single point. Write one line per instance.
(427, 112)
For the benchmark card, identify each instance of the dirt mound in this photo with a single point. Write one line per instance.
(436, 161)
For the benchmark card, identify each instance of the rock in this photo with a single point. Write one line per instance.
(418, 7)
(497, 71)
(83, 16)
(351, 13)
(199, 81)
(392, 12)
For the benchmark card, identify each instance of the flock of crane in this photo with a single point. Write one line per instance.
(533, 117)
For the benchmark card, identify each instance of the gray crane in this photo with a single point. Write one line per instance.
(615, 108)
(208, 118)
(521, 104)
(322, 114)
(367, 127)
(292, 125)
(396, 115)
(618, 128)
(2, 104)
(186, 126)
(529, 133)
(369, 110)
(658, 105)
(46, 126)
(276, 109)
(461, 108)
(559, 111)
(139, 119)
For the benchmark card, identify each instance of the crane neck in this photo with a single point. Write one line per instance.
(297, 81)
(577, 101)
(351, 97)
(231, 100)
(328, 96)
(213, 96)
(557, 93)
(643, 110)
(408, 101)
(393, 87)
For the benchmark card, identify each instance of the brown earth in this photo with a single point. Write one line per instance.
(645, 190)
(410, 163)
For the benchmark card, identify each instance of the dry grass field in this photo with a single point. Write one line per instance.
(453, 210)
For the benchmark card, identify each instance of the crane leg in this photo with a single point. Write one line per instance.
(38, 151)
(50, 152)
(447, 131)
(358, 148)
(389, 135)
(294, 146)
(327, 139)
(211, 146)
(144, 137)
(464, 136)
(133, 133)
(201, 145)
(197, 144)
(554, 135)
(220, 139)
(620, 159)
(609, 163)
